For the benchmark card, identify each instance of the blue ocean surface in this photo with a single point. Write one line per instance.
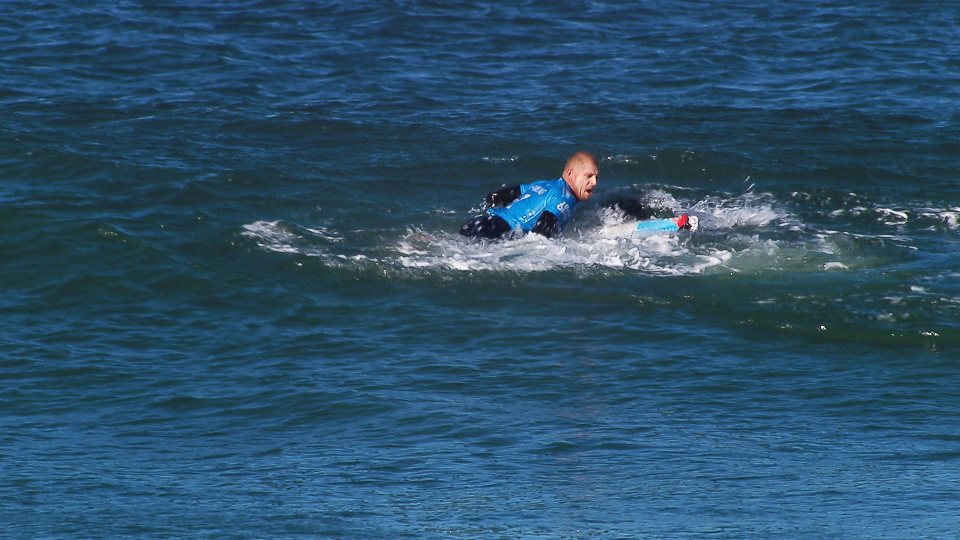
(235, 303)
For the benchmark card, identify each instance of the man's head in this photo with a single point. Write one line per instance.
(581, 173)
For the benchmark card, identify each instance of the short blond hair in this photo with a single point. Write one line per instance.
(581, 157)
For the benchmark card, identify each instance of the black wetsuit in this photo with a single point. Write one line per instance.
(632, 208)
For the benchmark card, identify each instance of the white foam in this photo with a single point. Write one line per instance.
(892, 217)
(325, 234)
(534, 253)
(272, 236)
(280, 237)
(610, 244)
(747, 210)
(949, 216)
(599, 239)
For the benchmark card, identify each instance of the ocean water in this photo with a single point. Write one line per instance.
(235, 304)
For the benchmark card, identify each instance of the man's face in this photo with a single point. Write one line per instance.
(582, 178)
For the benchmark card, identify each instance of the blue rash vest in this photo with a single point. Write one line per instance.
(553, 196)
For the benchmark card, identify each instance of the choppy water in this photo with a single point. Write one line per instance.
(235, 303)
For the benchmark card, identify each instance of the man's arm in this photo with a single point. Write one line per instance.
(503, 197)
(632, 208)
(547, 225)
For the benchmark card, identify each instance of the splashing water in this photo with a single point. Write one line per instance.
(750, 232)
(603, 239)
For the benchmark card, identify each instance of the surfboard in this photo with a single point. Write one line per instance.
(684, 221)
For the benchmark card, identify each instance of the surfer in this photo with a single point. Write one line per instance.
(543, 207)
(546, 206)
